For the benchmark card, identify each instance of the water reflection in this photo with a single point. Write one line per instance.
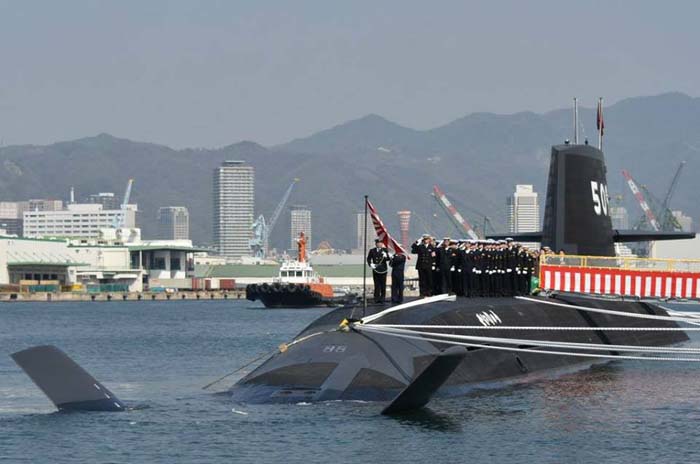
(430, 420)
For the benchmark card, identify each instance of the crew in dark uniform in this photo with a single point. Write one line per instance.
(437, 259)
(443, 266)
(397, 263)
(531, 265)
(424, 264)
(521, 271)
(478, 270)
(488, 268)
(455, 255)
(378, 258)
(468, 275)
(511, 265)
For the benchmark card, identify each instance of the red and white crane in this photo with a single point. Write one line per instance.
(457, 219)
(651, 218)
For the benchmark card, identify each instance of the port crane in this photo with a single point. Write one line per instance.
(669, 221)
(262, 229)
(460, 223)
(120, 218)
(649, 215)
(657, 214)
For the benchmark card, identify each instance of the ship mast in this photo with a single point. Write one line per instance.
(575, 121)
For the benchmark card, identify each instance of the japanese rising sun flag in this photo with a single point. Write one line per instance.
(382, 233)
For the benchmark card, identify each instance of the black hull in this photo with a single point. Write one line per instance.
(291, 296)
(286, 299)
(367, 366)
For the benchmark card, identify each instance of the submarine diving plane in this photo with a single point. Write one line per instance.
(443, 345)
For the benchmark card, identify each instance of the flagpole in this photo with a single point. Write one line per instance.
(364, 265)
(600, 124)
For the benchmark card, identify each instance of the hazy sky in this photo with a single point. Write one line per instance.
(206, 73)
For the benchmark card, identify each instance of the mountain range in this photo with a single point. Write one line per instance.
(476, 159)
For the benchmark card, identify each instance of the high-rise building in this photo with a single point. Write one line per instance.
(686, 222)
(234, 206)
(300, 222)
(620, 217)
(76, 221)
(360, 231)
(404, 227)
(523, 211)
(107, 199)
(173, 223)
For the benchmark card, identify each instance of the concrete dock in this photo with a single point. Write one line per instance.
(144, 296)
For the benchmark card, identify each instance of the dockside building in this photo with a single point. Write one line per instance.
(76, 221)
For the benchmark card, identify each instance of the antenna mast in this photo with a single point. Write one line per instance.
(599, 123)
(575, 121)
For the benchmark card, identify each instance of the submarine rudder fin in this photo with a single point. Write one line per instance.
(419, 392)
(64, 382)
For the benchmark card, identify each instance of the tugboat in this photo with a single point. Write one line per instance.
(297, 285)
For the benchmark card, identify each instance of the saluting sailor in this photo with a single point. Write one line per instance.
(442, 268)
(424, 264)
(377, 259)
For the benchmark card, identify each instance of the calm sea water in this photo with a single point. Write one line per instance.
(159, 355)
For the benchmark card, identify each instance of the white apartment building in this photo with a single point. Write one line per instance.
(300, 222)
(523, 211)
(76, 221)
(234, 207)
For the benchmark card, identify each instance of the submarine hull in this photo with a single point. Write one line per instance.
(328, 364)
(360, 365)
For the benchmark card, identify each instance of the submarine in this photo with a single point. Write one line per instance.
(370, 354)
(442, 345)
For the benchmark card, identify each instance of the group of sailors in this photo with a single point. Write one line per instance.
(473, 268)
